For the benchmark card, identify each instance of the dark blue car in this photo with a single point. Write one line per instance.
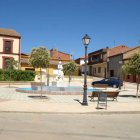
(111, 82)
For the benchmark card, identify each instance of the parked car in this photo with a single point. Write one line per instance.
(111, 82)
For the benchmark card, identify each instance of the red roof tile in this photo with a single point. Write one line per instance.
(117, 50)
(59, 55)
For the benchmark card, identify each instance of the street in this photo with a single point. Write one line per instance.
(43, 126)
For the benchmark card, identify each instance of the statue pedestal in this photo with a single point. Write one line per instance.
(54, 83)
(61, 84)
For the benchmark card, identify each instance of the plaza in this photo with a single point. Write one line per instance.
(12, 101)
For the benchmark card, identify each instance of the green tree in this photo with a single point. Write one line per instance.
(39, 58)
(69, 69)
(133, 67)
(11, 65)
(124, 71)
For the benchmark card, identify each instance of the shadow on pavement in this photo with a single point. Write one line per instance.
(132, 96)
(38, 97)
(77, 100)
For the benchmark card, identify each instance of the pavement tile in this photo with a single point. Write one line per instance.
(10, 100)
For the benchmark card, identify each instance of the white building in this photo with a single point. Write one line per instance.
(81, 62)
(9, 46)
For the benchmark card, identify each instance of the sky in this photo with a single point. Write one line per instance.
(61, 24)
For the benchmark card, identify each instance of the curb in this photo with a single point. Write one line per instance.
(94, 113)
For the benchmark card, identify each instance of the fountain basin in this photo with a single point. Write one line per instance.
(71, 90)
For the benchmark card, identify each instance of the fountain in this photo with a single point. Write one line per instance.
(59, 86)
(54, 90)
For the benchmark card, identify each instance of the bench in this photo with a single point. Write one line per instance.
(110, 94)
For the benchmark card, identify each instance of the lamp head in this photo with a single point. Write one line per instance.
(86, 40)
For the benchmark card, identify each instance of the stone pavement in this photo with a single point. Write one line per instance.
(12, 101)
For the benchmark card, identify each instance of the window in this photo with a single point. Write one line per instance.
(7, 46)
(99, 69)
(94, 70)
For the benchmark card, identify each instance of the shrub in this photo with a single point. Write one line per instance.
(17, 75)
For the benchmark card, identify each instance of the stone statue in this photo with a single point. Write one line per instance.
(60, 71)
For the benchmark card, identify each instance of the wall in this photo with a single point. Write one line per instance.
(114, 65)
(16, 43)
(16, 49)
(128, 54)
(102, 72)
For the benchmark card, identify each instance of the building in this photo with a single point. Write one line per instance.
(126, 56)
(24, 62)
(97, 63)
(10, 41)
(115, 60)
(106, 62)
(81, 65)
(55, 57)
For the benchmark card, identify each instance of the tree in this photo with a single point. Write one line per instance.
(11, 64)
(133, 67)
(124, 71)
(69, 68)
(39, 58)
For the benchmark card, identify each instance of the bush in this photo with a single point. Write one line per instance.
(17, 75)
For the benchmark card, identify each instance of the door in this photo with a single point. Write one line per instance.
(111, 73)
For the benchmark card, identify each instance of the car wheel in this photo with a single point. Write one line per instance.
(114, 86)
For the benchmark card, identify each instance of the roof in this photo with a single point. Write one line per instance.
(98, 51)
(117, 50)
(82, 57)
(24, 54)
(9, 32)
(132, 49)
(55, 54)
(53, 49)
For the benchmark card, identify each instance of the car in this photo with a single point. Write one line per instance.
(111, 82)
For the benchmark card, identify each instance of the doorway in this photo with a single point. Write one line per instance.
(111, 73)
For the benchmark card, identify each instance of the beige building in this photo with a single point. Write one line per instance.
(55, 55)
(130, 52)
(126, 57)
(97, 63)
(24, 62)
(9, 46)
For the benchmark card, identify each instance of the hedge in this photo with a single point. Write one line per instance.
(16, 75)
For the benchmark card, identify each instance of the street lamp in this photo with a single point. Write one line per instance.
(86, 40)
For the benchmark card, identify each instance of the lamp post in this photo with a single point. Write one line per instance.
(86, 40)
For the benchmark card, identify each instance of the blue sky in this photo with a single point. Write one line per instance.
(61, 24)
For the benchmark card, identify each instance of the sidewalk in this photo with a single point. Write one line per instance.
(12, 101)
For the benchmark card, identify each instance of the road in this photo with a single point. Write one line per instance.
(35, 126)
